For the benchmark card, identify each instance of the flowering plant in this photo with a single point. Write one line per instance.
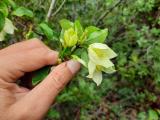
(86, 46)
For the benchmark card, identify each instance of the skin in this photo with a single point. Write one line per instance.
(20, 103)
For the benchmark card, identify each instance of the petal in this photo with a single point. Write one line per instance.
(91, 69)
(109, 70)
(102, 51)
(97, 77)
(2, 35)
(103, 62)
(9, 27)
(106, 63)
(110, 53)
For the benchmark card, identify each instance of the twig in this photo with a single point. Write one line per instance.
(60, 7)
(107, 12)
(50, 10)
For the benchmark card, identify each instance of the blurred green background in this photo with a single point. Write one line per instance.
(133, 92)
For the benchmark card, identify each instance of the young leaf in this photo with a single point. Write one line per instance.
(40, 74)
(78, 28)
(11, 2)
(91, 29)
(2, 21)
(84, 56)
(46, 30)
(97, 37)
(3, 8)
(22, 11)
(76, 58)
(81, 53)
(78, 52)
(65, 24)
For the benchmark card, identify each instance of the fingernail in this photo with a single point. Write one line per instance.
(74, 66)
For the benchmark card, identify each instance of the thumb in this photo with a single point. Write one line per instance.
(39, 99)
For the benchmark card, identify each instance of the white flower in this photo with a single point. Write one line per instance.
(99, 60)
(8, 28)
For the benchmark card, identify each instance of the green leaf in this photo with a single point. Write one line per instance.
(46, 30)
(84, 56)
(158, 111)
(11, 2)
(97, 37)
(152, 115)
(53, 114)
(65, 24)
(22, 11)
(65, 53)
(91, 29)
(76, 58)
(78, 52)
(2, 21)
(40, 74)
(81, 53)
(78, 28)
(3, 8)
(142, 116)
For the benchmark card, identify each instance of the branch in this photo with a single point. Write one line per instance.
(60, 7)
(50, 10)
(107, 12)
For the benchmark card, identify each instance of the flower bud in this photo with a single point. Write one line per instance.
(70, 38)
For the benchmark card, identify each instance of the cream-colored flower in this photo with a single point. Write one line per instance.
(99, 61)
(8, 28)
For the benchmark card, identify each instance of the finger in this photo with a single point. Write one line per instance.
(22, 46)
(41, 97)
(15, 65)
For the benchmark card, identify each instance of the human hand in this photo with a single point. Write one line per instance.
(19, 103)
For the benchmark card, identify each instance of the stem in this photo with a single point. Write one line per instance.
(107, 12)
(60, 7)
(50, 10)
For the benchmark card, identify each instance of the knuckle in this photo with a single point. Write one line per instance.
(58, 81)
(47, 57)
(50, 57)
(36, 42)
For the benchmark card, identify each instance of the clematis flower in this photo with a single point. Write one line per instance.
(99, 61)
(70, 38)
(8, 28)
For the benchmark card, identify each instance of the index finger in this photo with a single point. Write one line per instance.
(15, 63)
(23, 45)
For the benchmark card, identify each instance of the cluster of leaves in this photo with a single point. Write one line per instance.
(6, 25)
(133, 91)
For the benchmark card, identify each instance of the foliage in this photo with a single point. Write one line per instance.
(133, 32)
